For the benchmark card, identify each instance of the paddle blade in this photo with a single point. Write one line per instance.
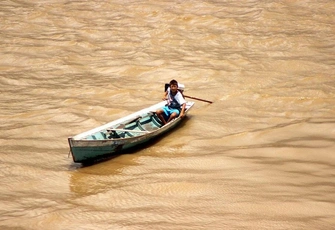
(167, 85)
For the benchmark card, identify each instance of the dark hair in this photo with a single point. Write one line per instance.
(173, 82)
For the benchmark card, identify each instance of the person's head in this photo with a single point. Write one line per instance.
(173, 85)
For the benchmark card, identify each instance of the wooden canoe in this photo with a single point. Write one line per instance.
(127, 132)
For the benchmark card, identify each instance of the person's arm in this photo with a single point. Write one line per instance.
(182, 102)
(182, 112)
(165, 94)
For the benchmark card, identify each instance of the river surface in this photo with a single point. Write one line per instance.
(261, 156)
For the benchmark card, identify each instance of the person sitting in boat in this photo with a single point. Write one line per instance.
(175, 104)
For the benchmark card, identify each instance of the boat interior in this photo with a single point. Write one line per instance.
(135, 127)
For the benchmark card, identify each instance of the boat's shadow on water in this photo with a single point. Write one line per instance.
(132, 150)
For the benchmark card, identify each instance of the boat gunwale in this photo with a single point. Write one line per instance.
(129, 139)
(80, 137)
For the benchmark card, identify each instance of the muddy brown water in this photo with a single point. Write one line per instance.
(260, 157)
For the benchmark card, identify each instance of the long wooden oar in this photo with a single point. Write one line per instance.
(199, 99)
(167, 85)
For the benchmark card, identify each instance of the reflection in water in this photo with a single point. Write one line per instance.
(85, 181)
